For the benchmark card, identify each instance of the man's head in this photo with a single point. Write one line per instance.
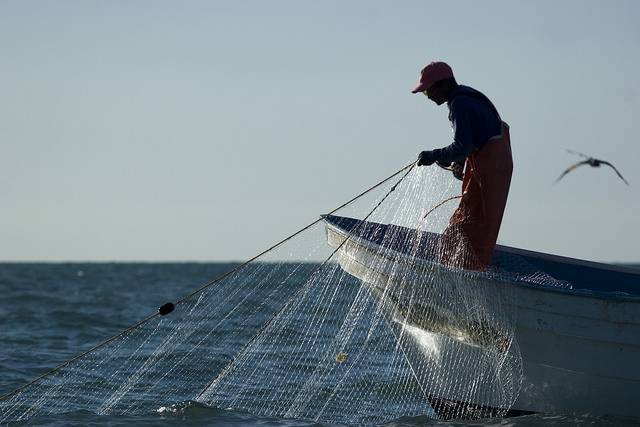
(436, 82)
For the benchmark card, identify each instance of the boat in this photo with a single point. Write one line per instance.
(575, 324)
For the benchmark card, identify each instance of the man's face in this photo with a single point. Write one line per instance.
(437, 93)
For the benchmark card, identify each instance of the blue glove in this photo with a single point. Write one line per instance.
(426, 158)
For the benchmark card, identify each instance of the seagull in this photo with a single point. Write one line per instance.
(593, 162)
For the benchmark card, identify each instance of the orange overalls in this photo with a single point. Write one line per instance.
(469, 239)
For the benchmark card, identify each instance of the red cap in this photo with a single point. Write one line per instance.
(432, 73)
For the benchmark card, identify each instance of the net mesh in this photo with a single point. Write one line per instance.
(362, 330)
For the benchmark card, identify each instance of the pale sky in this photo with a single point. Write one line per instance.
(157, 130)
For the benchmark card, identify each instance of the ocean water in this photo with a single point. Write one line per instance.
(51, 312)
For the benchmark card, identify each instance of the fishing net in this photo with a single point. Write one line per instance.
(350, 322)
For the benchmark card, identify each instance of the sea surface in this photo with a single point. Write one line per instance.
(50, 312)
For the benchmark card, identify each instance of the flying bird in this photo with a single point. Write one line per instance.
(591, 161)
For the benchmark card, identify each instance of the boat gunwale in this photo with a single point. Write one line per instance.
(569, 260)
(588, 293)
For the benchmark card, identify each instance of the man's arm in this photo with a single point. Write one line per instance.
(461, 146)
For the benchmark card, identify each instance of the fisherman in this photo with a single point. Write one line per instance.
(480, 156)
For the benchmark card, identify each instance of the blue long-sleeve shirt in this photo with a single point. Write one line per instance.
(474, 120)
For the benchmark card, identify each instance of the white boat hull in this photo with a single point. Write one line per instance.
(580, 354)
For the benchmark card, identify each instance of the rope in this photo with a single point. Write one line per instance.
(286, 239)
(440, 204)
(212, 282)
(275, 316)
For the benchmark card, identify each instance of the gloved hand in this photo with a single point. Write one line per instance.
(458, 170)
(426, 158)
(444, 165)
